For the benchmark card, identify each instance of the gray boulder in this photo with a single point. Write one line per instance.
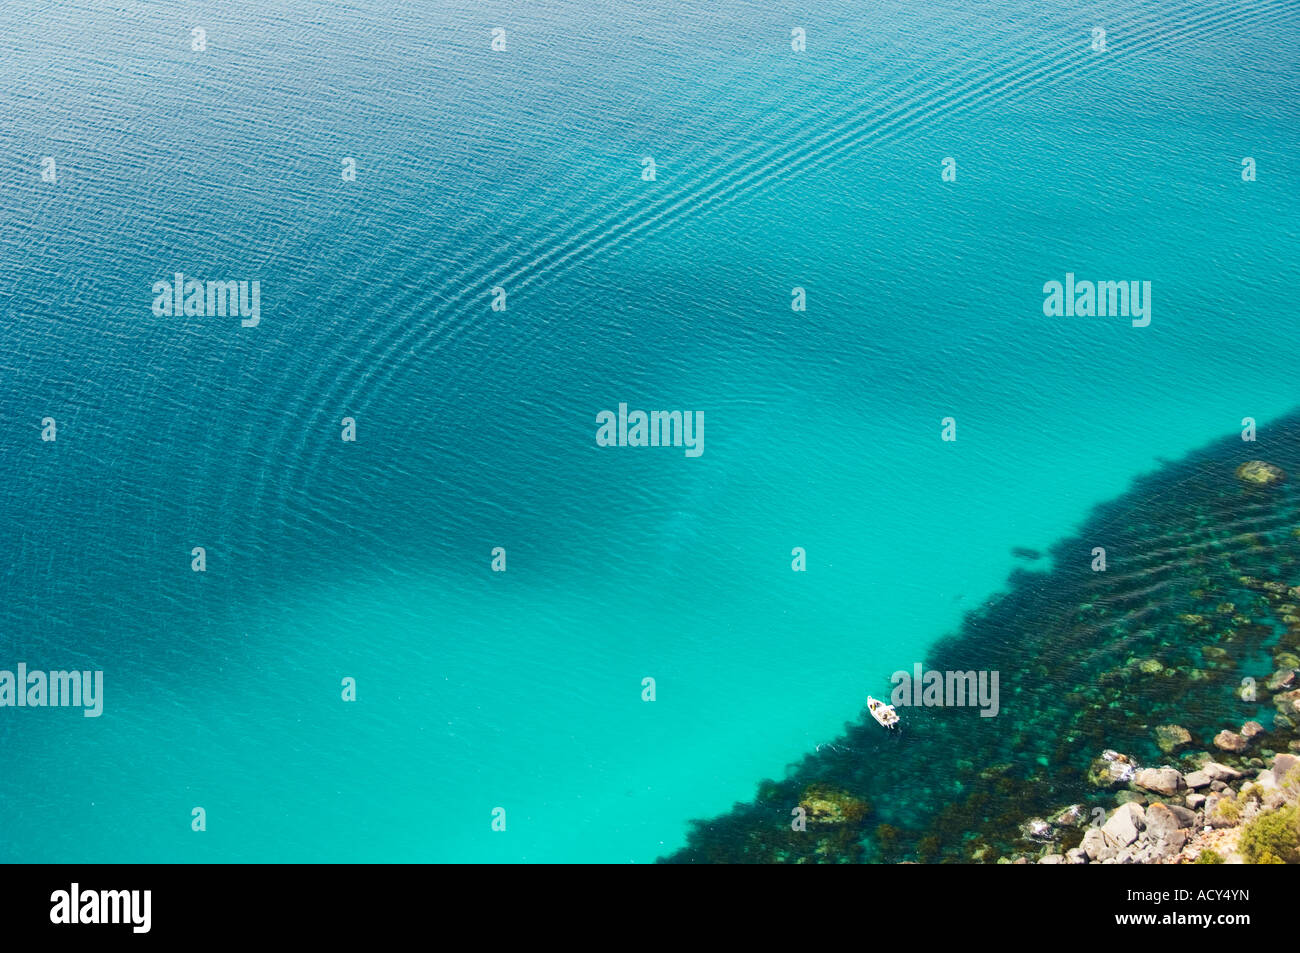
(1283, 765)
(1161, 821)
(1124, 825)
(1094, 845)
(1167, 781)
(1186, 816)
(1220, 772)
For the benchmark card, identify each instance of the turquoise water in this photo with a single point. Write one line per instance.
(522, 690)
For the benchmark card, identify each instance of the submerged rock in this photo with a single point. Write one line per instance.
(1076, 815)
(1039, 829)
(1230, 741)
(823, 805)
(1172, 737)
(1111, 769)
(1259, 473)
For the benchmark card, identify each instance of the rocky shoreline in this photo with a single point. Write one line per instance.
(1166, 817)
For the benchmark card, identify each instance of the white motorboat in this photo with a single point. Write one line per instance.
(883, 713)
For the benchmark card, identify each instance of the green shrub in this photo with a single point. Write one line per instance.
(1273, 838)
(1227, 808)
(1209, 857)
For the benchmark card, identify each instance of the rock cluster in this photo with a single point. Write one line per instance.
(1205, 812)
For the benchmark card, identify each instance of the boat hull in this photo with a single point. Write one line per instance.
(884, 714)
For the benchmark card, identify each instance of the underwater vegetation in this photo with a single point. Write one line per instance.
(1183, 650)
